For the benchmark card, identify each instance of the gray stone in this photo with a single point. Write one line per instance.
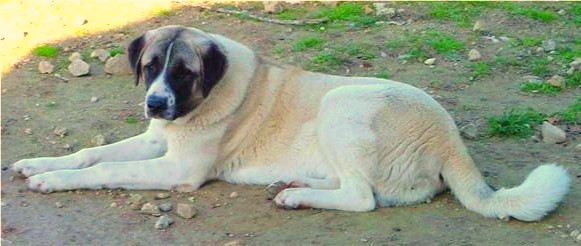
(79, 68)
(382, 9)
(578, 147)
(479, 26)
(163, 222)
(233, 194)
(576, 64)
(45, 67)
(549, 45)
(150, 209)
(165, 207)
(160, 196)
(118, 65)
(135, 201)
(552, 134)
(186, 211)
(94, 99)
(98, 140)
(474, 55)
(58, 205)
(469, 131)
(101, 54)
(75, 56)
(533, 79)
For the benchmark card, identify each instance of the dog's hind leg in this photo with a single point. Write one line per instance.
(148, 145)
(349, 145)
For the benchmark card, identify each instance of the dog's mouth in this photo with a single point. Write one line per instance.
(167, 114)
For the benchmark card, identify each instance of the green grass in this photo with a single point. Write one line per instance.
(572, 114)
(462, 13)
(540, 67)
(308, 43)
(514, 123)
(443, 43)
(382, 75)
(46, 51)
(481, 69)
(504, 61)
(536, 14)
(131, 120)
(543, 88)
(419, 46)
(164, 13)
(291, 13)
(116, 51)
(349, 12)
(573, 80)
(530, 41)
(568, 54)
(325, 61)
(358, 50)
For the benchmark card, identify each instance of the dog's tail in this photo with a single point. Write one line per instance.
(538, 195)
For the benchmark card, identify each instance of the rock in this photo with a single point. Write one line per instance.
(533, 79)
(28, 131)
(469, 131)
(561, 12)
(118, 65)
(382, 9)
(271, 6)
(233, 194)
(94, 99)
(578, 239)
(233, 243)
(430, 61)
(79, 68)
(576, 64)
(160, 196)
(186, 211)
(163, 222)
(60, 131)
(58, 205)
(45, 67)
(549, 45)
(504, 38)
(98, 140)
(75, 56)
(135, 201)
(574, 233)
(557, 81)
(479, 26)
(191, 199)
(150, 209)
(578, 147)
(550, 58)
(552, 134)
(165, 207)
(101, 54)
(474, 55)
(114, 205)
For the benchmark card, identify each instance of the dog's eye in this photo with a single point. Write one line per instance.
(149, 68)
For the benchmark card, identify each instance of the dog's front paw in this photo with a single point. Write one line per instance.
(28, 167)
(44, 183)
(290, 199)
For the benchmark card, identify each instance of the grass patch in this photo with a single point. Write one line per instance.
(572, 114)
(116, 51)
(382, 75)
(540, 67)
(325, 61)
(543, 88)
(481, 69)
(358, 51)
(164, 13)
(536, 14)
(46, 51)
(443, 43)
(308, 43)
(504, 61)
(131, 120)
(514, 123)
(462, 13)
(350, 12)
(291, 13)
(419, 46)
(530, 41)
(573, 80)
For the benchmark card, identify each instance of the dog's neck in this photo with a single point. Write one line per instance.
(228, 93)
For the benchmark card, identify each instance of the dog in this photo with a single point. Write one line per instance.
(220, 112)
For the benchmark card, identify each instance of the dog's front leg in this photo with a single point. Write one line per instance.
(150, 144)
(162, 173)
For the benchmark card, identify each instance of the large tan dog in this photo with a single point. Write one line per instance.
(349, 143)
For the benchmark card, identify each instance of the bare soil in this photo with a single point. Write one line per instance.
(87, 217)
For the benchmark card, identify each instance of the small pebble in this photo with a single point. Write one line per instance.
(233, 243)
(564, 236)
(75, 56)
(578, 238)
(28, 131)
(163, 222)
(430, 61)
(99, 140)
(150, 209)
(58, 205)
(135, 201)
(233, 194)
(94, 99)
(60, 131)
(165, 207)
(113, 205)
(191, 199)
(160, 196)
(574, 233)
(186, 211)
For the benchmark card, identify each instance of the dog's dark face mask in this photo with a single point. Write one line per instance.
(179, 66)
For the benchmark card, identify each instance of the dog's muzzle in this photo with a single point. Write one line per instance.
(157, 107)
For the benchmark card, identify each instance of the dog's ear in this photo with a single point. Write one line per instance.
(214, 65)
(134, 53)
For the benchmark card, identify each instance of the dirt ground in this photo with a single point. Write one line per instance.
(41, 102)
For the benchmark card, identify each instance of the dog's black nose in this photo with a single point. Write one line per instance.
(156, 104)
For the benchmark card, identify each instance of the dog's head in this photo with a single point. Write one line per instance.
(179, 66)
